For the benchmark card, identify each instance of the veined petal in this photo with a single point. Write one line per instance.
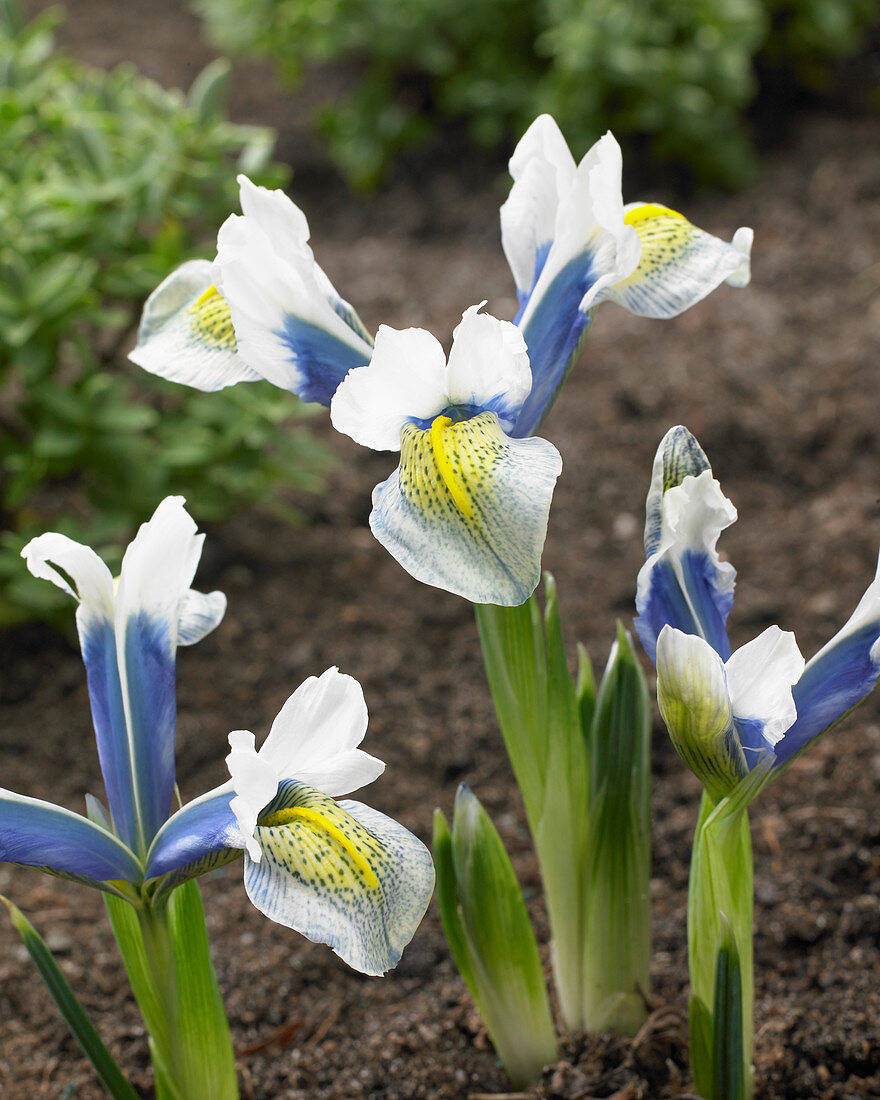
(341, 874)
(542, 169)
(760, 676)
(838, 677)
(286, 327)
(154, 583)
(684, 583)
(467, 508)
(95, 620)
(591, 249)
(203, 834)
(315, 736)
(186, 333)
(678, 456)
(680, 264)
(488, 366)
(405, 380)
(40, 834)
(200, 613)
(693, 698)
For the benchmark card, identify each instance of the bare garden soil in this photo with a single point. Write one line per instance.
(780, 384)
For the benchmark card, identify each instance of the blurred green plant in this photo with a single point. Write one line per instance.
(107, 181)
(680, 73)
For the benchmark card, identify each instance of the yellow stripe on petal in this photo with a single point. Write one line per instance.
(342, 874)
(211, 320)
(467, 508)
(680, 264)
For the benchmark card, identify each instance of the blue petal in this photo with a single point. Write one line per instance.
(320, 359)
(150, 683)
(98, 642)
(834, 681)
(201, 830)
(552, 334)
(40, 834)
(683, 593)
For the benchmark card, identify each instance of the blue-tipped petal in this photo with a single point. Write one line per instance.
(467, 508)
(838, 678)
(40, 834)
(340, 873)
(684, 583)
(201, 835)
(553, 332)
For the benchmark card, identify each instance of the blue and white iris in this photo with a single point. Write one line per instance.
(265, 309)
(571, 244)
(262, 309)
(467, 508)
(339, 872)
(728, 714)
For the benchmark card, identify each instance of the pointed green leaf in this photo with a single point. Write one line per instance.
(729, 1082)
(81, 1027)
(483, 909)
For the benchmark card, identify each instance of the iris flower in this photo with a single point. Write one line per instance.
(339, 872)
(467, 507)
(729, 714)
(571, 244)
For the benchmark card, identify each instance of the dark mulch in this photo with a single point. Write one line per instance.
(779, 382)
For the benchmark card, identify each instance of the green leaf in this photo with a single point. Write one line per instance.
(209, 93)
(168, 960)
(729, 1081)
(490, 934)
(81, 1027)
(617, 951)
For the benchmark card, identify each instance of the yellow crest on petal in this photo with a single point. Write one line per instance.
(211, 320)
(320, 843)
(444, 469)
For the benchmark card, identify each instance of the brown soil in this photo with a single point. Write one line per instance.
(779, 382)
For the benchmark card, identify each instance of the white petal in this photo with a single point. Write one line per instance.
(405, 380)
(200, 613)
(186, 332)
(341, 874)
(467, 509)
(315, 731)
(488, 366)
(158, 568)
(94, 583)
(287, 329)
(279, 217)
(255, 783)
(760, 676)
(680, 264)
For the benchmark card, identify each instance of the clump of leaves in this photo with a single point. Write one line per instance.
(108, 181)
(680, 75)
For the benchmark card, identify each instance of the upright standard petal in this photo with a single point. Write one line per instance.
(467, 508)
(128, 642)
(591, 248)
(838, 677)
(488, 366)
(680, 264)
(693, 699)
(405, 381)
(341, 874)
(287, 328)
(186, 332)
(760, 677)
(684, 582)
(40, 834)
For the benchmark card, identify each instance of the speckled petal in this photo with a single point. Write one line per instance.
(186, 333)
(467, 508)
(680, 264)
(342, 874)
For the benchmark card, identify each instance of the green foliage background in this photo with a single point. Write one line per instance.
(679, 73)
(107, 181)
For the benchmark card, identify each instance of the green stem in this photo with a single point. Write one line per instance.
(167, 957)
(720, 908)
